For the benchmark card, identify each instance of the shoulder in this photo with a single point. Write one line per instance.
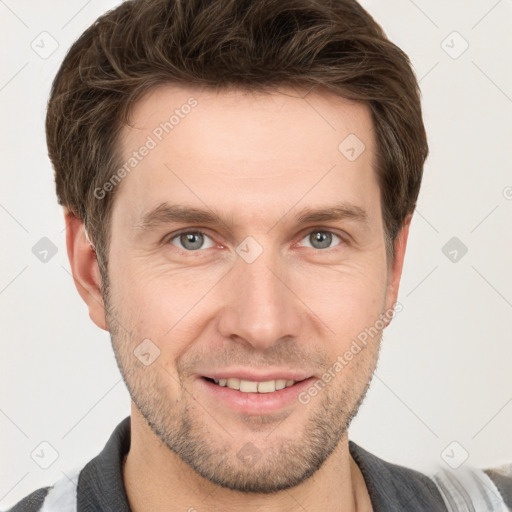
(472, 488)
(464, 488)
(96, 486)
(395, 487)
(62, 495)
(501, 477)
(32, 502)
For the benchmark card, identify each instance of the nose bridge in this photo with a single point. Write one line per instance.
(260, 307)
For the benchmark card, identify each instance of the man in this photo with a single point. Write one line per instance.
(238, 180)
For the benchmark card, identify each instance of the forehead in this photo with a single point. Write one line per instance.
(247, 152)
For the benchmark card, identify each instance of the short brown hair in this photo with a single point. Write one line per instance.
(251, 44)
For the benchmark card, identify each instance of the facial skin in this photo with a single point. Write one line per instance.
(258, 161)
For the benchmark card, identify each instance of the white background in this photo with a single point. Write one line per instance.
(445, 371)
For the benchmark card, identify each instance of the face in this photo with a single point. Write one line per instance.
(251, 284)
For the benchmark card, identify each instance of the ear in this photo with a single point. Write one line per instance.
(395, 267)
(84, 266)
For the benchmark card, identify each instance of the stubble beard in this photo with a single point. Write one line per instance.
(200, 440)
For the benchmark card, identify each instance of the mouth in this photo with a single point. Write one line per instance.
(254, 398)
(248, 386)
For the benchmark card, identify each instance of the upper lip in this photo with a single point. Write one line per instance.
(254, 376)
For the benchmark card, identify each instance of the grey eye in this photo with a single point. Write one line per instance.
(191, 240)
(320, 239)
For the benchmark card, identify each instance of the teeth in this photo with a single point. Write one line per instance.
(280, 383)
(247, 386)
(233, 383)
(266, 387)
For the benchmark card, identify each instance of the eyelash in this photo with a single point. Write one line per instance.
(170, 238)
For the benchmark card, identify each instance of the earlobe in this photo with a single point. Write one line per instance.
(395, 269)
(84, 267)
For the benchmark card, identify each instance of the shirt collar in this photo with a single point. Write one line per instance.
(392, 488)
(100, 484)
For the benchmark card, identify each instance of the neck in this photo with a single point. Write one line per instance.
(157, 480)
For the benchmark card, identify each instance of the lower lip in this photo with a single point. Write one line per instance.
(256, 403)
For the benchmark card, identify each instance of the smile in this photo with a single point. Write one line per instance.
(253, 397)
(247, 386)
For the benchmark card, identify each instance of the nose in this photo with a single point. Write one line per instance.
(259, 305)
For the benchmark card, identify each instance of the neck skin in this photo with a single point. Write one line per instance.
(157, 480)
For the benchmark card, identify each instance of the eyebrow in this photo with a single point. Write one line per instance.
(166, 213)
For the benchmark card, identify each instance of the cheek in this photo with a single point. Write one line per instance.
(162, 304)
(347, 299)
(171, 306)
